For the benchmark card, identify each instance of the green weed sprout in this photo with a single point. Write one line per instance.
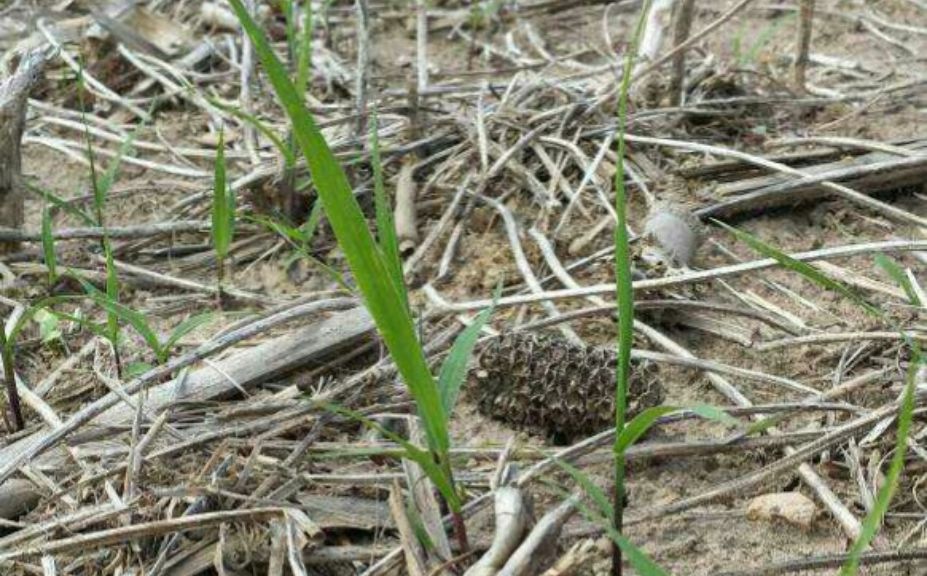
(378, 276)
(223, 214)
(624, 293)
(161, 348)
(101, 186)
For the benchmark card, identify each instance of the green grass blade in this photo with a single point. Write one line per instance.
(421, 457)
(623, 290)
(311, 225)
(304, 50)
(602, 516)
(384, 302)
(897, 274)
(299, 238)
(48, 246)
(61, 204)
(713, 413)
(288, 157)
(808, 271)
(454, 369)
(185, 327)
(386, 228)
(114, 309)
(884, 497)
(221, 229)
(639, 425)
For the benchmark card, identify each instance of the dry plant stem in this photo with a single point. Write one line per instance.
(244, 94)
(907, 555)
(93, 84)
(405, 212)
(685, 10)
(114, 232)
(415, 556)
(803, 46)
(511, 522)
(842, 191)
(541, 540)
(43, 441)
(524, 267)
(115, 536)
(362, 18)
(421, 45)
(9, 379)
(14, 93)
(692, 41)
(685, 278)
(186, 284)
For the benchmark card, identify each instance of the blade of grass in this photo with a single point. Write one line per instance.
(623, 290)
(421, 457)
(48, 247)
(803, 268)
(223, 211)
(184, 328)
(454, 369)
(304, 50)
(115, 309)
(61, 204)
(289, 157)
(386, 228)
(884, 497)
(385, 303)
(638, 559)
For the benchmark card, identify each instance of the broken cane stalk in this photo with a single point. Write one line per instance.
(405, 215)
(536, 550)
(511, 522)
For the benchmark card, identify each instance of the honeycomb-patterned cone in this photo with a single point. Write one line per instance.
(549, 386)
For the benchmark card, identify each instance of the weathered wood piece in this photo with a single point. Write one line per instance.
(246, 369)
(14, 92)
(870, 173)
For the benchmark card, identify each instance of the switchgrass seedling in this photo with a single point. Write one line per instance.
(161, 348)
(223, 215)
(623, 290)
(377, 273)
(101, 186)
(48, 247)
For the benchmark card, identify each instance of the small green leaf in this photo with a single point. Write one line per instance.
(709, 412)
(61, 204)
(48, 246)
(136, 369)
(222, 205)
(114, 309)
(185, 327)
(288, 156)
(454, 370)
(809, 272)
(49, 328)
(639, 425)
